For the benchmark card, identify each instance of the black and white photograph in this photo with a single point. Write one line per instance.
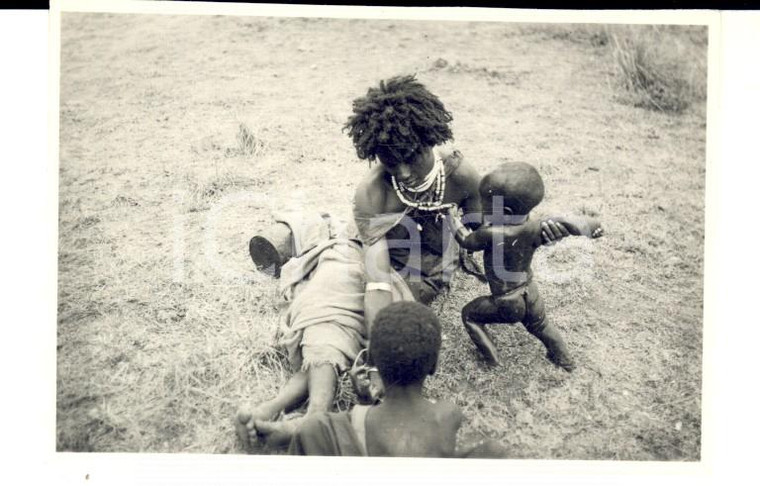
(320, 234)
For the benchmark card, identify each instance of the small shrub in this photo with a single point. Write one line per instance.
(249, 143)
(661, 70)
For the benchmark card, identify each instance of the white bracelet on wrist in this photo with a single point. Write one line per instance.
(384, 286)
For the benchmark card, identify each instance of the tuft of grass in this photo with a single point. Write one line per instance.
(249, 142)
(660, 69)
(202, 193)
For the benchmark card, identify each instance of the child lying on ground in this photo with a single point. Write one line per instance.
(509, 240)
(322, 326)
(404, 345)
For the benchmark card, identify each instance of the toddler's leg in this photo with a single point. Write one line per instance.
(556, 349)
(537, 324)
(475, 314)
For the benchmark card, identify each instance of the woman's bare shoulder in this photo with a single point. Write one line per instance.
(466, 175)
(370, 195)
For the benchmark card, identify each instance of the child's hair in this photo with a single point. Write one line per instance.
(404, 343)
(518, 183)
(400, 116)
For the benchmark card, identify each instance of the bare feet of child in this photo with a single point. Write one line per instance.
(245, 424)
(277, 434)
(562, 360)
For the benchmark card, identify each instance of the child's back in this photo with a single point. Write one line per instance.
(405, 340)
(422, 429)
(412, 428)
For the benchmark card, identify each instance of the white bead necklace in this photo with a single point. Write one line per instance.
(426, 202)
(430, 179)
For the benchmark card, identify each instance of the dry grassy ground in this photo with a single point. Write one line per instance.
(163, 324)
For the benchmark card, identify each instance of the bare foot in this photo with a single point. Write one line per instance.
(245, 423)
(277, 434)
(562, 360)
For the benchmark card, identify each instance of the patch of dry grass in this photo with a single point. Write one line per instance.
(657, 67)
(661, 68)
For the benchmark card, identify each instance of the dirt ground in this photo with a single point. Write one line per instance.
(163, 324)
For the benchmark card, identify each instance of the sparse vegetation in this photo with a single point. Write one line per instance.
(249, 143)
(659, 68)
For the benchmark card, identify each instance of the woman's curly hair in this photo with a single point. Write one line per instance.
(400, 116)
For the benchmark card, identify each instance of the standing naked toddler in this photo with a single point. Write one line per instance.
(508, 240)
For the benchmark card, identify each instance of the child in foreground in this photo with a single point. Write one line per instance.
(509, 239)
(404, 345)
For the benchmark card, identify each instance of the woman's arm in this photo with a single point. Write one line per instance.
(471, 240)
(467, 196)
(369, 201)
(377, 294)
(467, 181)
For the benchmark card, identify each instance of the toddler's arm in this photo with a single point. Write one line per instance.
(580, 225)
(471, 240)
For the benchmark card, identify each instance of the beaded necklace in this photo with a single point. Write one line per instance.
(423, 199)
(430, 179)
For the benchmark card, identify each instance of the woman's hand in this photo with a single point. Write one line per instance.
(471, 266)
(376, 386)
(552, 232)
(366, 380)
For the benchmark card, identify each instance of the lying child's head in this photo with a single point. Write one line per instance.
(404, 343)
(514, 186)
